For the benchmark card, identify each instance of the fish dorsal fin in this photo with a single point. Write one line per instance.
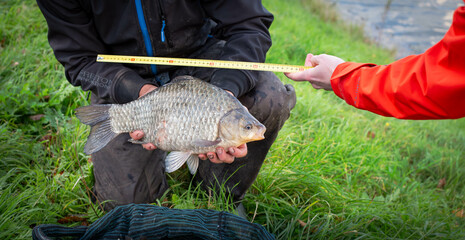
(206, 143)
(175, 160)
(182, 78)
(193, 163)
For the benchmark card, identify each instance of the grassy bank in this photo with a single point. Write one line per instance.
(334, 172)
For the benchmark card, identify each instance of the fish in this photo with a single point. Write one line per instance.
(185, 117)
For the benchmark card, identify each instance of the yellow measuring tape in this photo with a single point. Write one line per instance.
(189, 62)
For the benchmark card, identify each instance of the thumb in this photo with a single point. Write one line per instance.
(300, 76)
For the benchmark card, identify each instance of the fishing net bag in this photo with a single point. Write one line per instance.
(144, 221)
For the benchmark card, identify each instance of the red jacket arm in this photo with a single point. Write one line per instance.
(426, 86)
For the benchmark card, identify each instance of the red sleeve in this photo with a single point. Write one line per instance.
(426, 86)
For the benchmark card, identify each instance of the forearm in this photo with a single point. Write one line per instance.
(244, 25)
(404, 89)
(111, 82)
(74, 40)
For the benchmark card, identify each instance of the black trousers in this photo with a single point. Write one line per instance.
(127, 173)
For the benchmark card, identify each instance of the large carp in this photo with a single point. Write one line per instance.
(186, 117)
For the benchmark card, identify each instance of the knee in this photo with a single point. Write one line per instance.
(270, 101)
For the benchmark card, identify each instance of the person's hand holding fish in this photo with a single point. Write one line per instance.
(222, 156)
(219, 156)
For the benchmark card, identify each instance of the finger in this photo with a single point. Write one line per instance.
(136, 134)
(146, 89)
(149, 146)
(230, 93)
(213, 158)
(300, 76)
(238, 152)
(315, 61)
(224, 156)
(316, 86)
(308, 61)
(203, 156)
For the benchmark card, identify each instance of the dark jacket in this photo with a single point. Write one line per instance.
(81, 29)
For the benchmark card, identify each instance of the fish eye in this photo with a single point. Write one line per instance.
(248, 126)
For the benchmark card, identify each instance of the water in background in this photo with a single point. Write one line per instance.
(409, 26)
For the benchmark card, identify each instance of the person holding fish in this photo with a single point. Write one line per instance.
(224, 30)
(425, 86)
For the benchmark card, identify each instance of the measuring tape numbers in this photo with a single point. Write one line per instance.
(189, 62)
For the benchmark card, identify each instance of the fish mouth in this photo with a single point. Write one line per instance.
(260, 134)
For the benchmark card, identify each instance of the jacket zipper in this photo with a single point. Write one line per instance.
(145, 33)
(164, 36)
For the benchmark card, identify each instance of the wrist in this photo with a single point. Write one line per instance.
(127, 86)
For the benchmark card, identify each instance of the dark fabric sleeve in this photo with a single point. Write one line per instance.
(244, 25)
(75, 43)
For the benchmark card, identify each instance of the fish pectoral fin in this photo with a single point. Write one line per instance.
(206, 143)
(193, 163)
(175, 160)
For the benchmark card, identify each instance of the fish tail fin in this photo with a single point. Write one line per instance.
(98, 117)
(93, 114)
(175, 160)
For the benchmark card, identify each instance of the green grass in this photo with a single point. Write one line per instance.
(334, 172)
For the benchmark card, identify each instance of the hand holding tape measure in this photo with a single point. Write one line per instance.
(189, 62)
